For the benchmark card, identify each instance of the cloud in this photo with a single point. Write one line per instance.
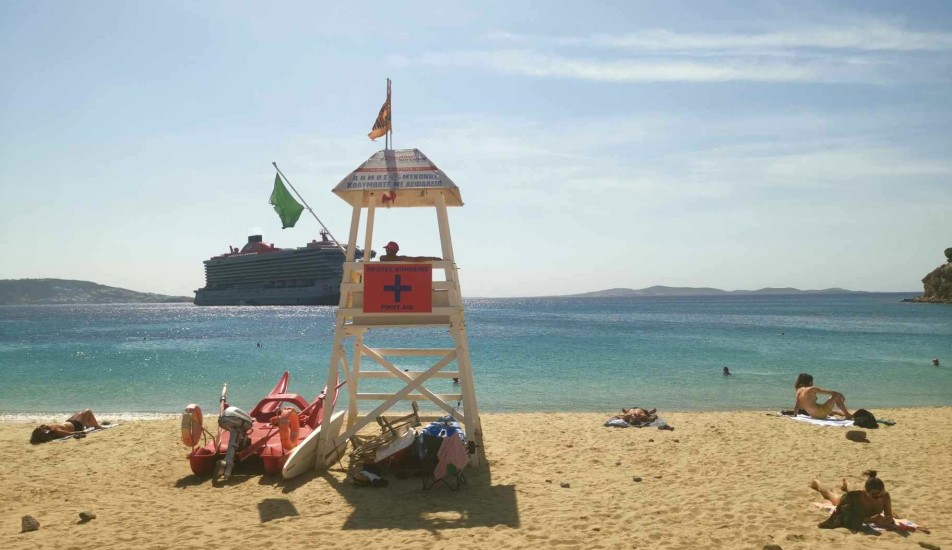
(800, 157)
(534, 64)
(876, 36)
(871, 52)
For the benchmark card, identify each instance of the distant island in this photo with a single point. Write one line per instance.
(65, 291)
(703, 291)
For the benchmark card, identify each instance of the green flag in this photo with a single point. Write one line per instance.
(284, 204)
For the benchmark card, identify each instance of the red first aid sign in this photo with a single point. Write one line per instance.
(398, 288)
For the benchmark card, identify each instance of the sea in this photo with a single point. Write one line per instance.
(528, 354)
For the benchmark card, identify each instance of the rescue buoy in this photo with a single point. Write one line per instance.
(289, 427)
(192, 425)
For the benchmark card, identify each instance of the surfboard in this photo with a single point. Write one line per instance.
(303, 457)
(400, 443)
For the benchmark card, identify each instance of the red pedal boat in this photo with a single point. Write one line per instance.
(270, 431)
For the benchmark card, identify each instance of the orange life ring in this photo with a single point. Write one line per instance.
(192, 425)
(289, 427)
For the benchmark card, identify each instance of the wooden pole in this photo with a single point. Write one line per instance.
(285, 178)
(390, 103)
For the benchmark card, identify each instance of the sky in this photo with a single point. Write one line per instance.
(736, 145)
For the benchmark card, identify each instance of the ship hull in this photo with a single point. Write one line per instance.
(325, 294)
(261, 275)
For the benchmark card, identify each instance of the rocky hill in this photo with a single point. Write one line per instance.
(701, 291)
(64, 291)
(937, 285)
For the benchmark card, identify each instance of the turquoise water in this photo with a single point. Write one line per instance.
(551, 354)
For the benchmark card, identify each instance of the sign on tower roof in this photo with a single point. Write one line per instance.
(399, 178)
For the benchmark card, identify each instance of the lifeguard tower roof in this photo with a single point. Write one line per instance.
(406, 176)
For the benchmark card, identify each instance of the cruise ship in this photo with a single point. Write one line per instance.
(261, 275)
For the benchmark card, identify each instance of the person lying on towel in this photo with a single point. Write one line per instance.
(73, 425)
(638, 415)
(854, 508)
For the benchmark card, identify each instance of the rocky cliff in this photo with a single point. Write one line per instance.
(937, 286)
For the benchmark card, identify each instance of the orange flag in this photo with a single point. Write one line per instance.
(382, 124)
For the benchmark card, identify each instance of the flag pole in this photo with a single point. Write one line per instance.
(285, 178)
(390, 105)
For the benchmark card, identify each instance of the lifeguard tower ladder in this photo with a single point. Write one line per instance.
(398, 179)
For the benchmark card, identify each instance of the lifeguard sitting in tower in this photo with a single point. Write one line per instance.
(391, 256)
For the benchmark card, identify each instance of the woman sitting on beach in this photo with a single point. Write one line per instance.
(853, 508)
(75, 424)
(807, 393)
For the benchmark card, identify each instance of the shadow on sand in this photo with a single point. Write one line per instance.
(403, 504)
(276, 508)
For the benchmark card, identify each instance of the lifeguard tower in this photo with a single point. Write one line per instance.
(401, 295)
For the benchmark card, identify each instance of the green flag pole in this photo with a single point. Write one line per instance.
(306, 205)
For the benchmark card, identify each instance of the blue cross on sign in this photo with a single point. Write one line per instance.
(397, 288)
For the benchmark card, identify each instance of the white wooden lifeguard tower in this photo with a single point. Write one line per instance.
(399, 295)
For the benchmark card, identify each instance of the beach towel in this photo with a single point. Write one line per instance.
(830, 421)
(452, 457)
(656, 423)
(901, 524)
(615, 423)
(620, 423)
(83, 433)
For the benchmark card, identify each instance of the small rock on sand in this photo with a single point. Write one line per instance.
(636, 478)
(929, 546)
(29, 523)
(858, 436)
(772, 547)
(86, 516)
(564, 485)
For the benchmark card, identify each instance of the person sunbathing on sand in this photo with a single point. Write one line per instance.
(75, 424)
(637, 414)
(871, 505)
(807, 393)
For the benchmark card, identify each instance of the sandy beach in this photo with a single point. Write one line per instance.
(719, 480)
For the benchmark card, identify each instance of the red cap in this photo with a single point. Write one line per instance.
(392, 246)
